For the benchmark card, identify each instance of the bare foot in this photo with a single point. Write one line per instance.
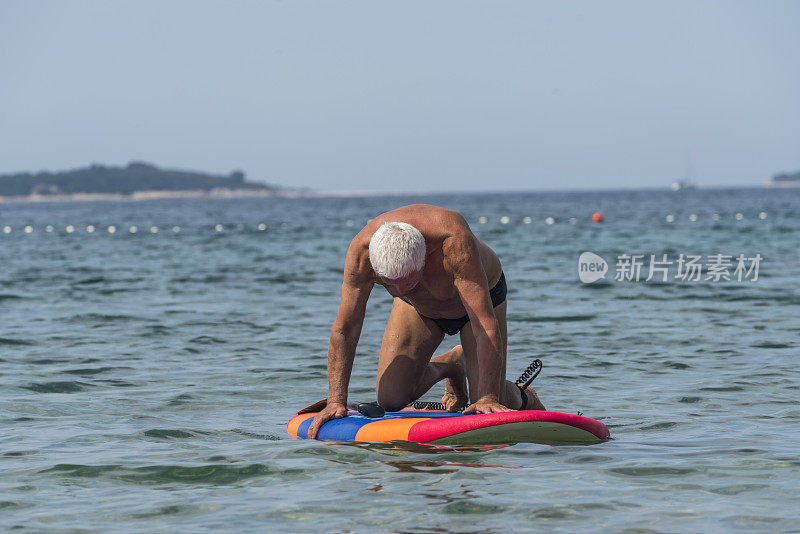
(532, 401)
(455, 396)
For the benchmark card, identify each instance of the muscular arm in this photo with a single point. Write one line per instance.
(463, 259)
(345, 332)
(344, 336)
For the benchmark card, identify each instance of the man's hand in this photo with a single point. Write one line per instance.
(331, 411)
(486, 404)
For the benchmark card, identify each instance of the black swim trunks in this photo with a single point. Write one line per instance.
(452, 327)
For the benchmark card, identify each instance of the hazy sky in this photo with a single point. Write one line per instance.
(406, 95)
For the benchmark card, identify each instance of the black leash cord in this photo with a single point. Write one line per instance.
(529, 374)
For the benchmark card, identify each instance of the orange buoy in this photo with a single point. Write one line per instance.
(597, 217)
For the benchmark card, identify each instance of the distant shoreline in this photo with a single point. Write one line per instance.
(784, 184)
(223, 193)
(155, 194)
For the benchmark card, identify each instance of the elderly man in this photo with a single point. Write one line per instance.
(445, 281)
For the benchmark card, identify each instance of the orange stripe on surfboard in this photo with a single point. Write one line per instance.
(388, 429)
(295, 422)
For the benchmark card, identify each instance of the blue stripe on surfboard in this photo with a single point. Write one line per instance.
(344, 429)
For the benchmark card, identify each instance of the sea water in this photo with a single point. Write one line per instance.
(148, 370)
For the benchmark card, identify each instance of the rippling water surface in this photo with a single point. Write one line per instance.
(146, 378)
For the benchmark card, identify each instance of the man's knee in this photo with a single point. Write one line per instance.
(398, 380)
(394, 390)
(393, 401)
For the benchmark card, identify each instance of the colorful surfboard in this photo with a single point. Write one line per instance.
(443, 428)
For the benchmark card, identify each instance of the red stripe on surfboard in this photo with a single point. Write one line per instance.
(437, 428)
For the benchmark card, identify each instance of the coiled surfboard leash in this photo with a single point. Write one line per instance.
(528, 376)
(524, 380)
(425, 405)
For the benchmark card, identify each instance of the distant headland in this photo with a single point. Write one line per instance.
(785, 179)
(139, 180)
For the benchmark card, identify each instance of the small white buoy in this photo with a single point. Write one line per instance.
(573, 220)
(482, 220)
(739, 216)
(176, 229)
(284, 225)
(112, 229)
(504, 220)
(218, 228)
(154, 229)
(48, 228)
(715, 216)
(133, 229)
(693, 217)
(762, 215)
(28, 229)
(6, 229)
(262, 227)
(549, 220)
(70, 229)
(670, 218)
(527, 220)
(90, 228)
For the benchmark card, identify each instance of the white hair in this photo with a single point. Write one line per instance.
(396, 250)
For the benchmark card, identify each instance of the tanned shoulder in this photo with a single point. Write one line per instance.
(357, 267)
(459, 247)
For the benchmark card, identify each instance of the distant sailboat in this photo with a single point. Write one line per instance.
(686, 182)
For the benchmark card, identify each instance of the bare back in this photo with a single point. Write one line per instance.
(448, 241)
